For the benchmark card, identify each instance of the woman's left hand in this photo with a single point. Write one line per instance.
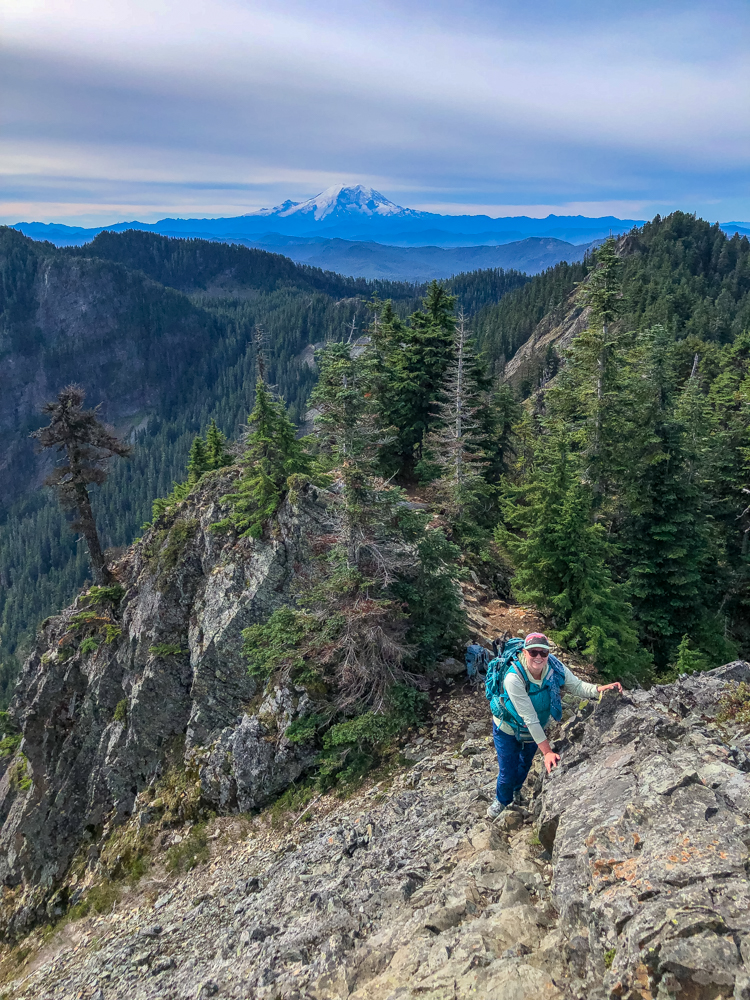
(610, 687)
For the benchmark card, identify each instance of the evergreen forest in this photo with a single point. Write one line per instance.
(608, 485)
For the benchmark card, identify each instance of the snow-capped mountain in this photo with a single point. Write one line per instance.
(339, 200)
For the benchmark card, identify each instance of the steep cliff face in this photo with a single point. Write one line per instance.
(131, 343)
(119, 681)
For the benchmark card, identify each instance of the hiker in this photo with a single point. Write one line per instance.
(523, 687)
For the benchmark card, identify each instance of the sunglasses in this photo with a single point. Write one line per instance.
(535, 655)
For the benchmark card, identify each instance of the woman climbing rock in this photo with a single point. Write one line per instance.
(524, 688)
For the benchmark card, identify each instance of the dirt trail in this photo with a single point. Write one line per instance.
(491, 617)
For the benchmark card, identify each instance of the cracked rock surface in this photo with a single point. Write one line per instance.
(623, 875)
(404, 890)
(647, 821)
(166, 670)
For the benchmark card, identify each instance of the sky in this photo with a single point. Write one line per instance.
(115, 110)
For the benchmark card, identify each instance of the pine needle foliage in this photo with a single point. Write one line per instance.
(561, 558)
(86, 446)
(452, 451)
(272, 454)
(411, 361)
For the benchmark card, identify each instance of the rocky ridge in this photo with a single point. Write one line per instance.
(636, 886)
(126, 683)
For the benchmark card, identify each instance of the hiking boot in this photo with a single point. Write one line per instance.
(495, 809)
(517, 797)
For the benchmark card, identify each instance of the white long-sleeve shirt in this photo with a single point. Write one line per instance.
(516, 691)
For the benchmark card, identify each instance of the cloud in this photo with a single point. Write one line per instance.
(194, 108)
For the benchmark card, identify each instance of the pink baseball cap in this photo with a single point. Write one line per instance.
(536, 640)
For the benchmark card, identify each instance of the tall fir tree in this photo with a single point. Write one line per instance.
(561, 560)
(345, 380)
(587, 391)
(411, 363)
(664, 537)
(272, 454)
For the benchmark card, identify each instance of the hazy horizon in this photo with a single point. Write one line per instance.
(141, 111)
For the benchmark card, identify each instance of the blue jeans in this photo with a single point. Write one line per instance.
(514, 759)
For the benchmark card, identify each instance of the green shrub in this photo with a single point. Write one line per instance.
(190, 852)
(112, 594)
(408, 705)
(609, 957)
(19, 774)
(111, 632)
(121, 712)
(89, 645)
(165, 649)
(9, 744)
(364, 730)
(272, 645)
(85, 619)
(354, 747)
(99, 899)
(95, 623)
(11, 738)
(303, 730)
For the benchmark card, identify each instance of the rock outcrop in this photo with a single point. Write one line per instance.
(406, 891)
(119, 684)
(647, 821)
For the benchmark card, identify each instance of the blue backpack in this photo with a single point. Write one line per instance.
(476, 659)
(545, 697)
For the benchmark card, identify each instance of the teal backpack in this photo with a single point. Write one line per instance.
(545, 697)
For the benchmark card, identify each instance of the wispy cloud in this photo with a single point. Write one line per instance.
(145, 109)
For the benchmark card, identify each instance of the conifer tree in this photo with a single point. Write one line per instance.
(689, 660)
(588, 389)
(412, 361)
(86, 445)
(664, 535)
(345, 379)
(217, 455)
(452, 448)
(726, 477)
(498, 414)
(198, 461)
(561, 559)
(272, 454)
(381, 564)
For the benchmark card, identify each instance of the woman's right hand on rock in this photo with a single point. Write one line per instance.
(551, 760)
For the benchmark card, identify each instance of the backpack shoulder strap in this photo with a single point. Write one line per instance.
(518, 668)
(559, 669)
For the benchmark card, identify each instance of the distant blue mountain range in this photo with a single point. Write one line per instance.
(356, 213)
(357, 231)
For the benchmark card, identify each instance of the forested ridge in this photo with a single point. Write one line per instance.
(595, 533)
(161, 332)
